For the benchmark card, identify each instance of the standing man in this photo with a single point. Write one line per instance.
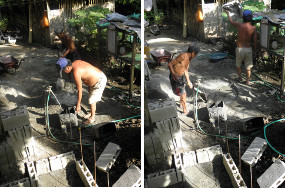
(67, 43)
(246, 36)
(179, 74)
(92, 77)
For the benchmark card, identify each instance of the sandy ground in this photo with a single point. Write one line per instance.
(27, 87)
(218, 83)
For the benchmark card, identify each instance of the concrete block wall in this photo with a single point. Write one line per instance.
(178, 161)
(254, 151)
(7, 156)
(164, 178)
(15, 118)
(131, 178)
(236, 179)
(85, 174)
(274, 176)
(108, 157)
(153, 148)
(162, 110)
(208, 154)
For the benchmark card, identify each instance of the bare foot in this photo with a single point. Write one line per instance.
(249, 83)
(87, 116)
(89, 121)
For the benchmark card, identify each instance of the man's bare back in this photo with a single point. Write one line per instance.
(181, 64)
(86, 72)
(245, 35)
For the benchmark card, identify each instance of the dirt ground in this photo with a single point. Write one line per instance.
(219, 78)
(27, 87)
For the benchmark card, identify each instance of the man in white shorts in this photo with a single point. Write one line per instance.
(246, 36)
(92, 77)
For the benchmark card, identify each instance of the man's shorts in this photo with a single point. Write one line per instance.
(96, 91)
(178, 85)
(244, 54)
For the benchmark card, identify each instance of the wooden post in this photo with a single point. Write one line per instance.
(283, 73)
(30, 24)
(184, 35)
(239, 154)
(132, 66)
(227, 138)
(95, 164)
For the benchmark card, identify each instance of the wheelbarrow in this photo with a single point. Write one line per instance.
(161, 55)
(8, 62)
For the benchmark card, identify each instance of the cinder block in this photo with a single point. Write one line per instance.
(164, 178)
(162, 110)
(254, 151)
(231, 168)
(214, 151)
(178, 161)
(152, 148)
(108, 157)
(31, 170)
(42, 166)
(130, 178)
(67, 158)
(25, 182)
(55, 163)
(189, 159)
(202, 155)
(273, 176)
(85, 174)
(102, 130)
(15, 118)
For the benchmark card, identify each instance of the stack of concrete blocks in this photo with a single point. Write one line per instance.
(162, 110)
(44, 166)
(274, 176)
(208, 154)
(7, 161)
(233, 172)
(85, 174)
(25, 182)
(254, 151)
(169, 133)
(153, 149)
(22, 141)
(164, 178)
(108, 157)
(217, 110)
(131, 178)
(15, 118)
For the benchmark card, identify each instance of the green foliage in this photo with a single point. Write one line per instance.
(85, 24)
(157, 18)
(253, 5)
(3, 24)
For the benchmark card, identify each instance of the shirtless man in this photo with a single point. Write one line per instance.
(92, 77)
(246, 36)
(67, 42)
(179, 74)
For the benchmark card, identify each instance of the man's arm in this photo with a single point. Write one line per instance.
(67, 51)
(78, 82)
(236, 24)
(189, 83)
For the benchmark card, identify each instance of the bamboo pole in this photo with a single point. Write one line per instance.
(81, 145)
(239, 154)
(95, 163)
(185, 20)
(30, 24)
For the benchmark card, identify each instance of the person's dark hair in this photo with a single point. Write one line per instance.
(193, 48)
(58, 31)
(68, 64)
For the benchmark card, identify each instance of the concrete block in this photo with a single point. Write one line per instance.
(189, 159)
(102, 130)
(42, 166)
(164, 178)
(274, 176)
(55, 163)
(202, 155)
(130, 178)
(231, 168)
(108, 157)
(67, 158)
(178, 161)
(214, 151)
(25, 182)
(31, 170)
(152, 148)
(15, 118)
(85, 174)
(162, 110)
(254, 151)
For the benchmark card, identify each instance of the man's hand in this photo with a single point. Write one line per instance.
(190, 85)
(226, 11)
(78, 108)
